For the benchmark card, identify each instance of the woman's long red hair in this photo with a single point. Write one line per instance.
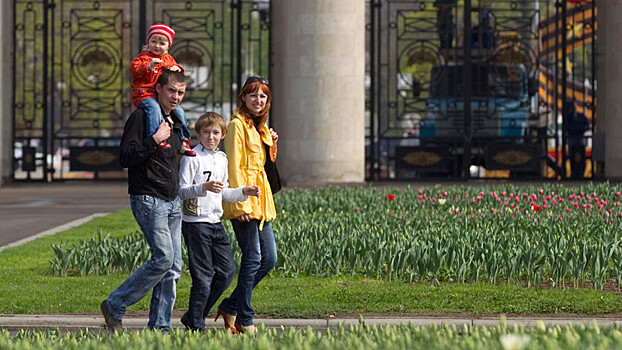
(244, 111)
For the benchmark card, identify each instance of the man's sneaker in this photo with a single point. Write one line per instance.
(111, 323)
(164, 145)
(185, 148)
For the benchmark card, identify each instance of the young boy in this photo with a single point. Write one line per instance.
(145, 70)
(203, 186)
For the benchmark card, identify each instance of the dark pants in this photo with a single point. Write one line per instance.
(258, 258)
(211, 267)
(445, 26)
(577, 161)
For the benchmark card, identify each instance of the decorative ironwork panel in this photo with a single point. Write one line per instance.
(30, 118)
(72, 72)
(91, 55)
(473, 73)
(255, 20)
(30, 69)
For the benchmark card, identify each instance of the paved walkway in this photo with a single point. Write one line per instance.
(14, 323)
(29, 210)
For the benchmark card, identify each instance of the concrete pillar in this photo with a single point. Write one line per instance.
(6, 88)
(318, 97)
(609, 75)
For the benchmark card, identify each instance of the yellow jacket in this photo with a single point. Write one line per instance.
(247, 155)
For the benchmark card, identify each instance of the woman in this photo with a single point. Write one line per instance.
(248, 143)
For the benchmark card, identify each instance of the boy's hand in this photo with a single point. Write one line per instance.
(175, 69)
(154, 62)
(163, 132)
(244, 218)
(212, 186)
(252, 191)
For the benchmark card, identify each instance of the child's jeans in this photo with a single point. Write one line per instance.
(211, 267)
(154, 116)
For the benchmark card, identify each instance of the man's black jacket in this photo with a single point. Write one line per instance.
(151, 171)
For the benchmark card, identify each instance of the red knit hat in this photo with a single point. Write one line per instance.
(162, 29)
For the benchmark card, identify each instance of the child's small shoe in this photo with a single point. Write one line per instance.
(164, 145)
(185, 148)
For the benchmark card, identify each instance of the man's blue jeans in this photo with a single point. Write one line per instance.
(258, 258)
(160, 222)
(154, 117)
(211, 266)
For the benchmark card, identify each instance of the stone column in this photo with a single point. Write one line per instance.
(318, 97)
(6, 87)
(609, 76)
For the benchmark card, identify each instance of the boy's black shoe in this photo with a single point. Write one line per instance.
(186, 322)
(111, 323)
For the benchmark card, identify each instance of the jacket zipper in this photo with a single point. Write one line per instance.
(162, 165)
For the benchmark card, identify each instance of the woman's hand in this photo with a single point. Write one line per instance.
(244, 218)
(175, 69)
(212, 186)
(275, 136)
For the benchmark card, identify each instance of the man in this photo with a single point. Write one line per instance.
(445, 22)
(576, 124)
(483, 35)
(153, 183)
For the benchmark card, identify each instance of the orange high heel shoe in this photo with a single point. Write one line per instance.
(241, 329)
(225, 317)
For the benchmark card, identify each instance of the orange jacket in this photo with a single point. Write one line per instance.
(144, 79)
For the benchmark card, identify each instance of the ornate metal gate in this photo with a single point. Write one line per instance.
(480, 88)
(72, 73)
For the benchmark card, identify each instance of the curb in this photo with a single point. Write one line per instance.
(14, 323)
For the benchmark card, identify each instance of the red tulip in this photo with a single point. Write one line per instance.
(391, 197)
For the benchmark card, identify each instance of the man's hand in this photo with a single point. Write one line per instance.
(252, 191)
(212, 186)
(163, 133)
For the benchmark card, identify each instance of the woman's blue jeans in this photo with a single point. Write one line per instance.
(258, 258)
(160, 222)
(151, 106)
(211, 267)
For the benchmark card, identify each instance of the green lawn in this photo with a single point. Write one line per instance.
(27, 286)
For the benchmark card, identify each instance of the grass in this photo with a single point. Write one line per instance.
(361, 336)
(27, 286)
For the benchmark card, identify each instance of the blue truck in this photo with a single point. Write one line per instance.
(493, 134)
(500, 102)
